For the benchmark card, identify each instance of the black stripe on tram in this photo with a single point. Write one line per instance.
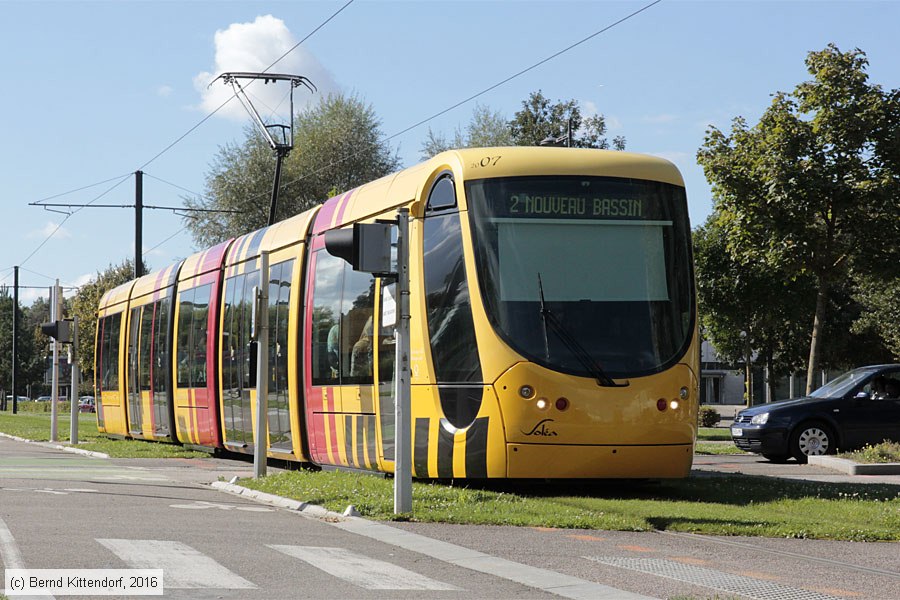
(370, 441)
(420, 450)
(360, 443)
(445, 451)
(476, 448)
(348, 439)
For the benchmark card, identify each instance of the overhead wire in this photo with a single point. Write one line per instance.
(177, 140)
(474, 96)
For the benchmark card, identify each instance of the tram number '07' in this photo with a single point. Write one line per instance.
(487, 161)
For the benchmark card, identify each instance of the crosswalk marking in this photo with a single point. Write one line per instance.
(183, 567)
(362, 571)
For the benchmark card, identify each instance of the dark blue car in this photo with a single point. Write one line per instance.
(860, 407)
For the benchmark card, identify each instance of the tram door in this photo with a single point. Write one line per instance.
(385, 355)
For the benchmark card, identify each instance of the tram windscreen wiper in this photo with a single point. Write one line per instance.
(571, 344)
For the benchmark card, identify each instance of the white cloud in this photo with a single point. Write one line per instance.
(589, 109)
(164, 91)
(51, 229)
(253, 47)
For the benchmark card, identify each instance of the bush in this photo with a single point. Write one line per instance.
(885, 452)
(708, 417)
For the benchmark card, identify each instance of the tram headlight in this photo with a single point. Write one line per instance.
(673, 404)
(527, 392)
(542, 404)
(683, 393)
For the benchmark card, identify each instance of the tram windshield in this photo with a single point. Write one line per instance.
(608, 258)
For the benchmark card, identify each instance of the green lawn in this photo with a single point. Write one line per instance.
(717, 505)
(714, 434)
(36, 426)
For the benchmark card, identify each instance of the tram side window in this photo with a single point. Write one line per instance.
(145, 345)
(185, 315)
(109, 359)
(343, 311)
(160, 347)
(192, 336)
(357, 327)
(450, 324)
(279, 304)
(326, 330)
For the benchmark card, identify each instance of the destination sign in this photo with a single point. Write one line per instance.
(574, 198)
(529, 205)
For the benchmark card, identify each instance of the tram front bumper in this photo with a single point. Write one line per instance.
(557, 461)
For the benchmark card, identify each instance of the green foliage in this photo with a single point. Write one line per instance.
(708, 416)
(84, 306)
(540, 119)
(885, 452)
(880, 300)
(806, 189)
(486, 128)
(29, 349)
(337, 146)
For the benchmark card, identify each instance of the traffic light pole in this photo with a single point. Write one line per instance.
(402, 406)
(76, 376)
(260, 450)
(15, 341)
(56, 310)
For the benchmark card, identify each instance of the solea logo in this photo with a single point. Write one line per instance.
(541, 429)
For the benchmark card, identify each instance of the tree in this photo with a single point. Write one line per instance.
(337, 146)
(84, 306)
(539, 119)
(748, 308)
(880, 300)
(808, 186)
(30, 363)
(485, 129)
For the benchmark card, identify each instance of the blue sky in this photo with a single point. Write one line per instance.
(96, 90)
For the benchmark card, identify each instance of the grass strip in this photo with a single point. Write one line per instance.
(36, 426)
(712, 505)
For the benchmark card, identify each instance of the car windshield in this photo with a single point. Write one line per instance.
(841, 386)
(607, 259)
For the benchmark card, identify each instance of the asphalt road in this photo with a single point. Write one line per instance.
(59, 510)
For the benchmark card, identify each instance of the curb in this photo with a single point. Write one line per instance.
(851, 467)
(304, 508)
(56, 446)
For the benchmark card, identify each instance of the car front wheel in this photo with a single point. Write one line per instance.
(812, 439)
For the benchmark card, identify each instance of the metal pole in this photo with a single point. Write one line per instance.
(279, 158)
(138, 224)
(402, 416)
(262, 368)
(56, 311)
(15, 341)
(76, 376)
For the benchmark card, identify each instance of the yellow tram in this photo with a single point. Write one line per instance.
(553, 327)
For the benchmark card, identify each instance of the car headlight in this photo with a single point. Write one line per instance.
(760, 419)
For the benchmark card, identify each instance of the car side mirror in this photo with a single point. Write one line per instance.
(862, 395)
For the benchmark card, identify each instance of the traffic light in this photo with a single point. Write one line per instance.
(367, 247)
(61, 331)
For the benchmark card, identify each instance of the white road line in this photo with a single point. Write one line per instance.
(542, 579)
(11, 557)
(362, 571)
(183, 567)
